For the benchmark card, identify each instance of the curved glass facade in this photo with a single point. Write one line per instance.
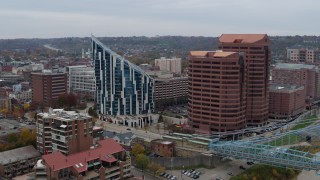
(122, 88)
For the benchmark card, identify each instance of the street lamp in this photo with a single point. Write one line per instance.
(181, 171)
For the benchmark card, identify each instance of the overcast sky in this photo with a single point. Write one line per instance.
(80, 18)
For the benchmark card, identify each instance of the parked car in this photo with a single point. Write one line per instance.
(162, 174)
(230, 174)
(173, 178)
(219, 178)
(250, 163)
(128, 129)
(243, 168)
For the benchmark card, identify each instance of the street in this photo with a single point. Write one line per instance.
(147, 135)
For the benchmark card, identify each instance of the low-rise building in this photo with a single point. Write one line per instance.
(18, 161)
(298, 75)
(162, 148)
(286, 100)
(127, 140)
(134, 121)
(108, 160)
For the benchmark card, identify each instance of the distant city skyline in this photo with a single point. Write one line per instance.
(80, 18)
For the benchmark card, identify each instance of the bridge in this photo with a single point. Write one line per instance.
(296, 149)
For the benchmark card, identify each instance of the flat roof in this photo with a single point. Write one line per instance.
(18, 154)
(294, 66)
(215, 53)
(283, 87)
(241, 38)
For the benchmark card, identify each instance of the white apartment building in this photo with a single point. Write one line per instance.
(81, 81)
(169, 64)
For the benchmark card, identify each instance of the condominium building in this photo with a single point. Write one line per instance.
(168, 89)
(257, 60)
(122, 88)
(47, 86)
(303, 55)
(298, 75)
(17, 161)
(81, 81)
(217, 91)
(64, 131)
(108, 160)
(169, 64)
(286, 101)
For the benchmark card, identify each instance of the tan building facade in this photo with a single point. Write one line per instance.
(169, 64)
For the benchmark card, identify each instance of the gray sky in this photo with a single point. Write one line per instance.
(65, 18)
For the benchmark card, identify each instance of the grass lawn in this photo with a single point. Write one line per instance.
(310, 119)
(293, 138)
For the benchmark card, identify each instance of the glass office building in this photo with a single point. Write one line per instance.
(122, 88)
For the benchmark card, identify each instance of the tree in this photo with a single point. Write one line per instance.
(26, 106)
(67, 100)
(160, 170)
(4, 112)
(154, 168)
(92, 112)
(137, 149)
(142, 161)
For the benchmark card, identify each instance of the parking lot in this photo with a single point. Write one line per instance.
(177, 110)
(224, 171)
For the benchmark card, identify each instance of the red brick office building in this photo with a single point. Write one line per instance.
(286, 101)
(217, 91)
(298, 75)
(47, 86)
(257, 61)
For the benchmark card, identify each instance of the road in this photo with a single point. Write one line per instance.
(147, 135)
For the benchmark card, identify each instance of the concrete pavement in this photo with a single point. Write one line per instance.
(147, 135)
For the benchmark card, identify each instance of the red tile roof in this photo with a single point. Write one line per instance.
(104, 151)
(241, 38)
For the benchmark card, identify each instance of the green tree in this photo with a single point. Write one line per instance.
(155, 169)
(137, 149)
(142, 161)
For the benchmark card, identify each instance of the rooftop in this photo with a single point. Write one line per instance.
(161, 141)
(283, 87)
(214, 53)
(64, 115)
(241, 38)
(105, 150)
(294, 66)
(18, 154)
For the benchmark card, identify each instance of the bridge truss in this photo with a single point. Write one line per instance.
(294, 149)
